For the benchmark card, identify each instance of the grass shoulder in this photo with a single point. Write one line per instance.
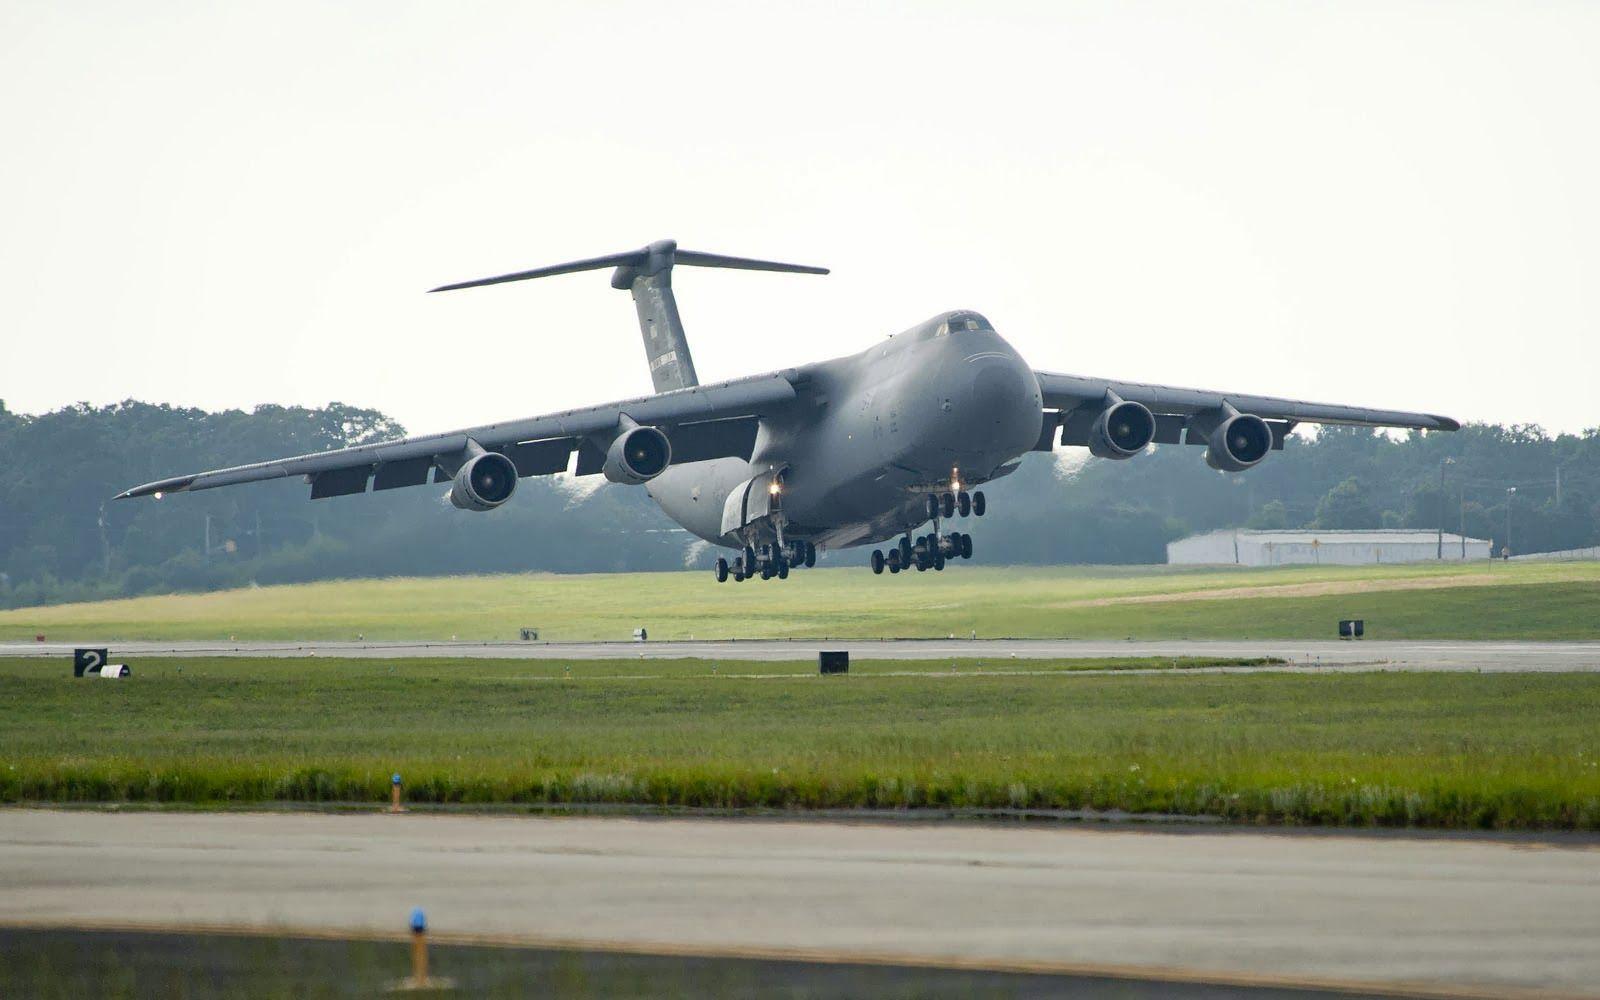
(1478, 600)
(1499, 751)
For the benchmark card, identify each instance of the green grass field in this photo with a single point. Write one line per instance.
(1524, 600)
(1437, 750)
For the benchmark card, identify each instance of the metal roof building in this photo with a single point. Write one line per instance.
(1333, 548)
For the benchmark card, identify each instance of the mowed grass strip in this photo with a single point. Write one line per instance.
(1525, 600)
(1508, 751)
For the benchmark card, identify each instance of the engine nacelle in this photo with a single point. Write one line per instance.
(1238, 443)
(638, 455)
(485, 482)
(1122, 430)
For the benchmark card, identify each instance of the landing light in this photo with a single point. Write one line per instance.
(774, 488)
(158, 494)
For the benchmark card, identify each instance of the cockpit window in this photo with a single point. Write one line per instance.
(960, 322)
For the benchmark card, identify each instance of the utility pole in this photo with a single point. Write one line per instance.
(105, 543)
(1558, 487)
(1511, 492)
(1442, 463)
(1463, 526)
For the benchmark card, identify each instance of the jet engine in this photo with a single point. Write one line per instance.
(1239, 442)
(1123, 430)
(638, 455)
(486, 481)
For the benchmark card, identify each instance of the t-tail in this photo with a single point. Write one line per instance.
(647, 273)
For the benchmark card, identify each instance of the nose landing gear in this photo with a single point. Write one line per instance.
(951, 504)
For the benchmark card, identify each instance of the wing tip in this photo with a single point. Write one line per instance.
(1446, 423)
(156, 489)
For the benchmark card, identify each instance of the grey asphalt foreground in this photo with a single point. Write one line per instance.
(1420, 654)
(1435, 916)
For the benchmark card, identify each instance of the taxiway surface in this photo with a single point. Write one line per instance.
(1421, 654)
(1470, 915)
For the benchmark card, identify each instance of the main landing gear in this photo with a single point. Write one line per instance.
(932, 551)
(927, 552)
(767, 561)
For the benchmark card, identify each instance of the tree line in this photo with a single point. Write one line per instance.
(62, 538)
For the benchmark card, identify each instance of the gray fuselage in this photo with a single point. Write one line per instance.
(871, 434)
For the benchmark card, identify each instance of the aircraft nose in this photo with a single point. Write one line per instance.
(996, 386)
(1002, 403)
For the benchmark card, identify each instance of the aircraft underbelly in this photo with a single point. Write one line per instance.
(694, 494)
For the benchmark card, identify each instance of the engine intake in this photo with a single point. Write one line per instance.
(1122, 430)
(1238, 443)
(638, 455)
(485, 482)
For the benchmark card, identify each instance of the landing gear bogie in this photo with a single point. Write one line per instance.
(767, 561)
(931, 551)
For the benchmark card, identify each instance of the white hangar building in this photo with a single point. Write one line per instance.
(1333, 548)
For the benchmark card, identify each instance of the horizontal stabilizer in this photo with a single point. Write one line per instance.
(699, 259)
(652, 259)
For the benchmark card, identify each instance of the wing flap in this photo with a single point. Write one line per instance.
(541, 458)
(340, 482)
(708, 439)
(398, 474)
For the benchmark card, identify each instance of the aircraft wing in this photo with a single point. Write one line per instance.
(1079, 399)
(702, 422)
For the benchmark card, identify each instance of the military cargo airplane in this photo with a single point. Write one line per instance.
(850, 452)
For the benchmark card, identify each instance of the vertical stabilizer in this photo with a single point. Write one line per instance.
(666, 348)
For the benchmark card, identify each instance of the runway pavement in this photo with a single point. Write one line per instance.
(1462, 915)
(1423, 654)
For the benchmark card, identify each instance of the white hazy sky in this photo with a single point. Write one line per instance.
(218, 205)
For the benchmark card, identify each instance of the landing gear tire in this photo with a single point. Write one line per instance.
(749, 559)
(966, 546)
(811, 554)
(905, 553)
(877, 562)
(783, 571)
(947, 505)
(964, 504)
(722, 571)
(933, 505)
(979, 505)
(938, 561)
